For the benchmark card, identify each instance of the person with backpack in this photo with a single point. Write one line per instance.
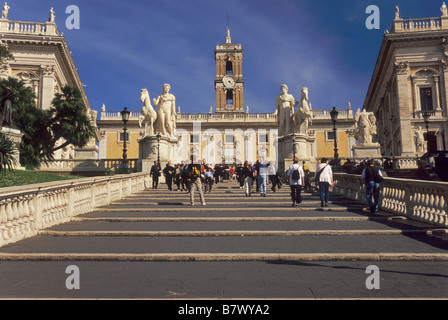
(296, 182)
(324, 179)
(195, 169)
(373, 177)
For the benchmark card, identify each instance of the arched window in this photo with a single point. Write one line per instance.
(229, 67)
(229, 97)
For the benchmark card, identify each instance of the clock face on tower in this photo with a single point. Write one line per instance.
(228, 81)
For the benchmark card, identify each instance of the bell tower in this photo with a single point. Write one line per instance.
(229, 83)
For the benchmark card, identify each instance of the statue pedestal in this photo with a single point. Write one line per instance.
(150, 149)
(87, 153)
(367, 150)
(294, 146)
(15, 136)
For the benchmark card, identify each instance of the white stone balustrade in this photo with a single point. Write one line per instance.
(415, 199)
(26, 210)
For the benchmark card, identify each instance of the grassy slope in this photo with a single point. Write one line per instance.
(21, 178)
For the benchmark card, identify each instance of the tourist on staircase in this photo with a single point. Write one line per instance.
(296, 178)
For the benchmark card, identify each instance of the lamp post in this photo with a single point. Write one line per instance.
(426, 116)
(125, 117)
(334, 118)
(158, 137)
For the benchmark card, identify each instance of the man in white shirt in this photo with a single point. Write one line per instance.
(324, 178)
(296, 182)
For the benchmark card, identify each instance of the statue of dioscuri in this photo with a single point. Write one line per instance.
(148, 112)
(303, 115)
(366, 126)
(166, 119)
(285, 104)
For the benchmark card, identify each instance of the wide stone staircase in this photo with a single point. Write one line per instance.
(155, 245)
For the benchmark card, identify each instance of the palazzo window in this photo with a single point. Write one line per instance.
(194, 138)
(122, 137)
(229, 67)
(229, 97)
(426, 101)
(263, 138)
(230, 139)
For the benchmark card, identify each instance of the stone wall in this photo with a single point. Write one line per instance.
(24, 211)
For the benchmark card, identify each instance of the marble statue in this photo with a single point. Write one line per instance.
(366, 126)
(148, 112)
(303, 115)
(285, 105)
(52, 15)
(5, 11)
(444, 10)
(166, 112)
(420, 141)
(397, 13)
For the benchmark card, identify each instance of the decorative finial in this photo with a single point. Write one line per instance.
(228, 38)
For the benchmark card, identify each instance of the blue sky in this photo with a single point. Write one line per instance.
(124, 46)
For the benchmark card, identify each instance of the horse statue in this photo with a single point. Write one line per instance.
(149, 114)
(303, 115)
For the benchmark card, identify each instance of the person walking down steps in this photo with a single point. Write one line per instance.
(195, 169)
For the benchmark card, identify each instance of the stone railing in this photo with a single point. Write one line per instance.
(415, 199)
(78, 165)
(26, 210)
(29, 28)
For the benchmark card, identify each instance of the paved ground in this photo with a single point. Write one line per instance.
(155, 245)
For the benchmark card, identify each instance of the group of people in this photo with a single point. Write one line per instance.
(201, 176)
(299, 177)
(186, 176)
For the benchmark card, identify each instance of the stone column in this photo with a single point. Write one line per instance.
(47, 86)
(404, 104)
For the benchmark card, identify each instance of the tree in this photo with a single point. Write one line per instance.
(27, 118)
(68, 119)
(42, 129)
(7, 150)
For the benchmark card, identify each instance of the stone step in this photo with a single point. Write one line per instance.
(214, 257)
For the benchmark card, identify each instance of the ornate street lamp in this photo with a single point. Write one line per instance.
(426, 116)
(125, 117)
(158, 137)
(334, 118)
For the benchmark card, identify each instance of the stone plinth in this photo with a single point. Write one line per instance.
(87, 153)
(294, 146)
(149, 149)
(367, 150)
